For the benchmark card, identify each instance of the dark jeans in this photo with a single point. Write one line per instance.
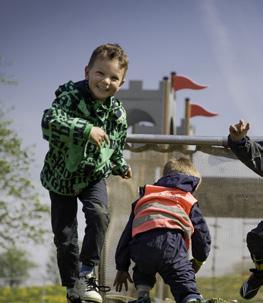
(65, 228)
(163, 251)
(255, 242)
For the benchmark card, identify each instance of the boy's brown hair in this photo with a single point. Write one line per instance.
(182, 165)
(110, 51)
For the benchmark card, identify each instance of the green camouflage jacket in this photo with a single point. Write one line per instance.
(73, 161)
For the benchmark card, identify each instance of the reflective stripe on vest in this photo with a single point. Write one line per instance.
(163, 207)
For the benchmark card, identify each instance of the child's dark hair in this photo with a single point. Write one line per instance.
(182, 165)
(110, 51)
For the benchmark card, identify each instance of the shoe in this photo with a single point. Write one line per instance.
(88, 289)
(250, 287)
(72, 295)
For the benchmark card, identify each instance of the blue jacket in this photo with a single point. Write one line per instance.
(201, 239)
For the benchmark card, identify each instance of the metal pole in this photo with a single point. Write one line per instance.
(176, 139)
(173, 102)
(166, 105)
(187, 117)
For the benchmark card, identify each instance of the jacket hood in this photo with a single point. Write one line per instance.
(178, 180)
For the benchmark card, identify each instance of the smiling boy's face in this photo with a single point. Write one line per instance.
(105, 78)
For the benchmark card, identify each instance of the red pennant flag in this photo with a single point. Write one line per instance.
(197, 110)
(181, 82)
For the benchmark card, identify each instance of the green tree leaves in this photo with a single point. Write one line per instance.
(15, 266)
(22, 214)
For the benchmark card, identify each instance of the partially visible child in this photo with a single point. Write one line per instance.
(86, 129)
(164, 224)
(251, 154)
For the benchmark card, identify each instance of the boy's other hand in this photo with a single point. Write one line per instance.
(98, 136)
(238, 131)
(121, 279)
(128, 174)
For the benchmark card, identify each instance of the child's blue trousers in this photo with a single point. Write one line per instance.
(64, 223)
(255, 242)
(163, 251)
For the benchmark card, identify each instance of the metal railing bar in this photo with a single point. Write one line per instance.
(180, 139)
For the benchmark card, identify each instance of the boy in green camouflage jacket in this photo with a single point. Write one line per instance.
(86, 129)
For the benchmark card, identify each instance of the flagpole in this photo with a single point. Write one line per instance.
(173, 102)
(166, 105)
(187, 116)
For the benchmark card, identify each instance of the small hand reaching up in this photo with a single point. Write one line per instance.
(238, 131)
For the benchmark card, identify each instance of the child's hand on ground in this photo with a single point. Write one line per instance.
(238, 131)
(121, 279)
(98, 135)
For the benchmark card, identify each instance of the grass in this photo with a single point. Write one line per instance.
(226, 287)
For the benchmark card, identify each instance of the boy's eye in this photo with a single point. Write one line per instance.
(100, 73)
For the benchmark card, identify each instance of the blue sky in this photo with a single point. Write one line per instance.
(214, 42)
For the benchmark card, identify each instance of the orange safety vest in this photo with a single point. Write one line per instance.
(163, 207)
